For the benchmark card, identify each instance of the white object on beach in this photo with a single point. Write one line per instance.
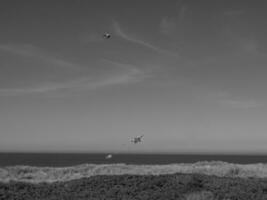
(109, 156)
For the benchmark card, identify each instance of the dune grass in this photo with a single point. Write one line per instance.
(198, 181)
(50, 174)
(140, 187)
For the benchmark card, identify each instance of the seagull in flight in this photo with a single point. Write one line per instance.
(106, 35)
(137, 139)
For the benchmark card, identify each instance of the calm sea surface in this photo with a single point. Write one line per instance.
(58, 160)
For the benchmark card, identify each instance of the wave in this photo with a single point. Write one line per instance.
(60, 174)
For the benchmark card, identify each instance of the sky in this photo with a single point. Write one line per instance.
(189, 75)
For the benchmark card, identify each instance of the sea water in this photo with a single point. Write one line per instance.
(70, 159)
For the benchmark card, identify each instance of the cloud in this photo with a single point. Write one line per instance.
(128, 72)
(28, 50)
(240, 43)
(182, 12)
(41, 88)
(118, 31)
(170, 26)
(232, 12)
(131, 68)
(227, 99)
(167, 26)
(250, 46)
(123, 74)
(91, 38)
(240, 103)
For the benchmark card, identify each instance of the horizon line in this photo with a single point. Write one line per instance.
(219, 153)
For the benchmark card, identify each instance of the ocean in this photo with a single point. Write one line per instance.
(70, 159)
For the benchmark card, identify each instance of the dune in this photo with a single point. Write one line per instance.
(60, 174)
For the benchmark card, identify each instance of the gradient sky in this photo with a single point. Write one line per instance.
(190, 75)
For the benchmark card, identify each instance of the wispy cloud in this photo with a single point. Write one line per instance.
(249, 46)
(240, 103)
(118, 31)
(131, 68)
(225, 98)
(233, 12)
(123, 74)
(28, 50)
(40, 88)
(170, 25)
(129, 72)
(182, 12)
(243, 45)
(92, 37)
(167, 25)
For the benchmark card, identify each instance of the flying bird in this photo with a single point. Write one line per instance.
(106, 35)
(137, 139)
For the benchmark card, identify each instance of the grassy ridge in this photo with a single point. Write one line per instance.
(142, 187)
(50, 174)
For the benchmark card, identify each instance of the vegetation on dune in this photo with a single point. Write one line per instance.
(142, 187)
(50, 174)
